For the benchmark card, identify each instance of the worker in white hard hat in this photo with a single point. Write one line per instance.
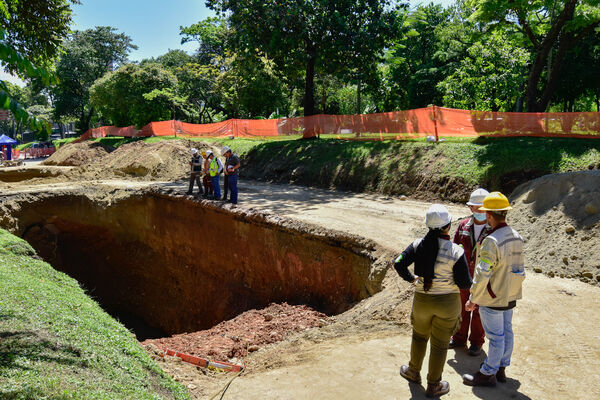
(441, 270)
(215, 167)
(196, 171)
(471, 231)
(497, 285)
(232, 165)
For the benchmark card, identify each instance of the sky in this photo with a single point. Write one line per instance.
(153, 25)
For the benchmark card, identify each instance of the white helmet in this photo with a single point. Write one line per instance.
(194, 151)
(477, 197)
(437, 216)
(208, 153)
(225, 150)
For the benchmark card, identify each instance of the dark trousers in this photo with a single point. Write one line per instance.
(208, 189)
(225, 186)
(233, 181)
(469, 319)
(195, 176)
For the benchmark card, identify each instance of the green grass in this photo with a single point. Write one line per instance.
(57, 343)
(399, 166)
(59, 142)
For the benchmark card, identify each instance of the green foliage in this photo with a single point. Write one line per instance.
(57, 343)
(34, 29)
(137, 95)
(551, 28)
(490, 78)
(303, 37)
(14, 61)
(88, 56)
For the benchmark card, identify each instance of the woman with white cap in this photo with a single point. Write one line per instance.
(440, 269)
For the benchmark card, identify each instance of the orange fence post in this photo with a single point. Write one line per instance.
(435, 124)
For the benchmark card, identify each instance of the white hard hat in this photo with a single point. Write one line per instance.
(437, 216)
(208, 152)
(193, 150)
(477, 197)
(225, 150)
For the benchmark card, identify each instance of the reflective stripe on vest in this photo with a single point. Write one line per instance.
(213, 169)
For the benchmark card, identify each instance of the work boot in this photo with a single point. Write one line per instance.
(474, 350)
(437, 389)
(501, 375)
(479, 379)
(409, 374)
(454, 345)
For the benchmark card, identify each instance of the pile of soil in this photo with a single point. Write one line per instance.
(559, 217)
(165, 160)
(76, 154)
(245, 333)
(168, 160)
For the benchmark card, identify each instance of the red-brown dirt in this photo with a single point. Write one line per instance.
(245, 333)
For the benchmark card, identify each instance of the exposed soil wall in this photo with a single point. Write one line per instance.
(183, 265)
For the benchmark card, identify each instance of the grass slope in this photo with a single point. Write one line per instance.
(57, 343)
(449, 169)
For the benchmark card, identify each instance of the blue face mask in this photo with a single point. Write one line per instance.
(479, 216)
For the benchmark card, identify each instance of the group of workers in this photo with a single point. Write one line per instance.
(206, 164)
(472, 281)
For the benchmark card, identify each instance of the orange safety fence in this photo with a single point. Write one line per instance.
(33, 152)
(421, 122)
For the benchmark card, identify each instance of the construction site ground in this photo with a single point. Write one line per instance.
(357, 355)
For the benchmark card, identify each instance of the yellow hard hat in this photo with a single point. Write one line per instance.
(203, 152)
(495, 201)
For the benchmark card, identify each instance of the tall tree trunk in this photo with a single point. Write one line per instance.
(358, 105)
(309, 84)
(541, 57)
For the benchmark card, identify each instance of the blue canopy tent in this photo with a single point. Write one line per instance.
(7, 142)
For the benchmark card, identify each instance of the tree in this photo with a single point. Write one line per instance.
(137, 95)
(489, 78)
(552, 28)
(309, 36)
(88, 56)
(30, 37)
(35, 29)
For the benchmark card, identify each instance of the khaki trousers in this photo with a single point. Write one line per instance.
(436, 317)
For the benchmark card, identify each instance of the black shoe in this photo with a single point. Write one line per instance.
(454, 345)
(501, 375)
(479, 379)
(188, 193)
(474, 350)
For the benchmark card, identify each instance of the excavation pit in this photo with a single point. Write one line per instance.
(166, 264)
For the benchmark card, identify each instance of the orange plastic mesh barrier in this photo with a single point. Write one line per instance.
(438, 121)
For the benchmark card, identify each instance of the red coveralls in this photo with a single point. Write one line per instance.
(465, 236)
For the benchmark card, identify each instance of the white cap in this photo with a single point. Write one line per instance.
(225, 150)
(193, 150)
(477, 197)
(437, 216)
(208, 152)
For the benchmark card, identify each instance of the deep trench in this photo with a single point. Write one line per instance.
(164, 265)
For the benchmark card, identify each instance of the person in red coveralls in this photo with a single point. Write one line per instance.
(471, 231)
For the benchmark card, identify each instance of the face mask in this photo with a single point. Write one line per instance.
(480, 216)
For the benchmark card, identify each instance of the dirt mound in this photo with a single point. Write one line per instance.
(165, 160)
(558, 216)
(76, 154)
(246, 332)
(168, 160)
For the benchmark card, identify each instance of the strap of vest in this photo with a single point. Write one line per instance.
(490, 291)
